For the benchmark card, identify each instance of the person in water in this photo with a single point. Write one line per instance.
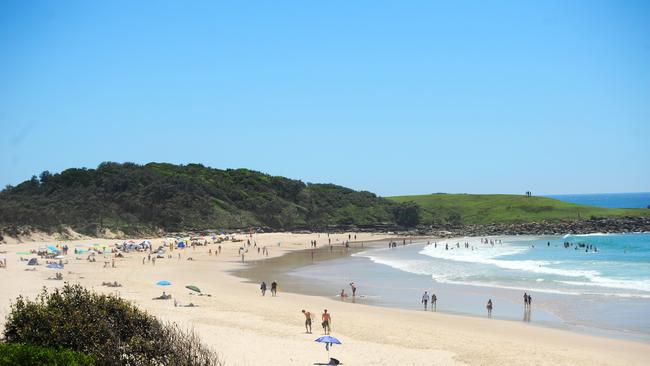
(353, 286)
(425, 299)
(343, 294)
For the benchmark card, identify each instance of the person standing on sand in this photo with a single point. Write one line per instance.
(425, 299)
(489, 308)
(434, 299)
(274, 288)
(307, 321)
(530, 299)
(327, 320)
(354, 289)
(263, 288)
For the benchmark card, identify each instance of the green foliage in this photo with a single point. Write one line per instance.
(457, 209)
(135, 198)
(28, 355)
(407, 214)
(108, 328)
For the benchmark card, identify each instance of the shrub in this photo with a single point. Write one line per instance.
(112, 330)
(24, 354)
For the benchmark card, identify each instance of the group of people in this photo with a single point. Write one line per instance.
(353, 287)
(426, 298)
(326, 321)
(274, 288)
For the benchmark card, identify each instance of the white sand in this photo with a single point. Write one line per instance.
(248, 329)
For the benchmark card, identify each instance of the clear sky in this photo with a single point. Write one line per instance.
(392, 97)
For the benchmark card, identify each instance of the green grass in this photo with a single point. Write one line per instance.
(506, 208)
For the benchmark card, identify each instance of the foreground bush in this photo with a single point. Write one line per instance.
(110, 329)
(23, 354)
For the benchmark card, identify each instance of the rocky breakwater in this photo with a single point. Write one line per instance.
(593, 225)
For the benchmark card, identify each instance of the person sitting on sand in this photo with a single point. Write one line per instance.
(489, 308)
(307, 321)
(327, 320)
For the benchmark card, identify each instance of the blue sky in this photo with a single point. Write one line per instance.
(391, 97)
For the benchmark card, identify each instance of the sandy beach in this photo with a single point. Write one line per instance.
(248, 329)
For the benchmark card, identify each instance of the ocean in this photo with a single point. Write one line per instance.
(597, 283)
(607, 200)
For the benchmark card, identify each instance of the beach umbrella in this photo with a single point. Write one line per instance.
(53, 248)
(163, 283)
(193, 288)
(328, 342)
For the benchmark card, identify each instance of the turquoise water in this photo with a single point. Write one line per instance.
(608, 200)
(602, 287)
(616, 265)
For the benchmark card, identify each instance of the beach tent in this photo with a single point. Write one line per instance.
(33, 262)
(53, 248)
(181, 244)
(55, 266)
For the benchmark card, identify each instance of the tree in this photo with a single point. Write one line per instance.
(111, 330)
(407, 214)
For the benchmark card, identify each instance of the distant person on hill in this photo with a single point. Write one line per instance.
(489, 308)
(327, 320)
(263, 288)
(307, 321)
(425, 299)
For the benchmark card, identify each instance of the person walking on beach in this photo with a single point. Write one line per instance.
(354, 289)
(434, 299)
(530, 299)
(274, 288)
(327, 320)
(489, 308)
(425, 299)
(525, 300)
(307, 321)
(263, 288)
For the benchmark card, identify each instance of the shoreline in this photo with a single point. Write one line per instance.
(253, 330)
(282, 268)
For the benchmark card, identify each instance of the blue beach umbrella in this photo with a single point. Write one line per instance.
(328, 342)
(53, 248)
(163, 283)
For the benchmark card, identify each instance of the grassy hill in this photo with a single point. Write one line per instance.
(141, 198)
(504, 208)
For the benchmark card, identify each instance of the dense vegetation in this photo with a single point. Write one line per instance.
(12, 354)
(135, 198)
(109, 329)
(457, 209)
